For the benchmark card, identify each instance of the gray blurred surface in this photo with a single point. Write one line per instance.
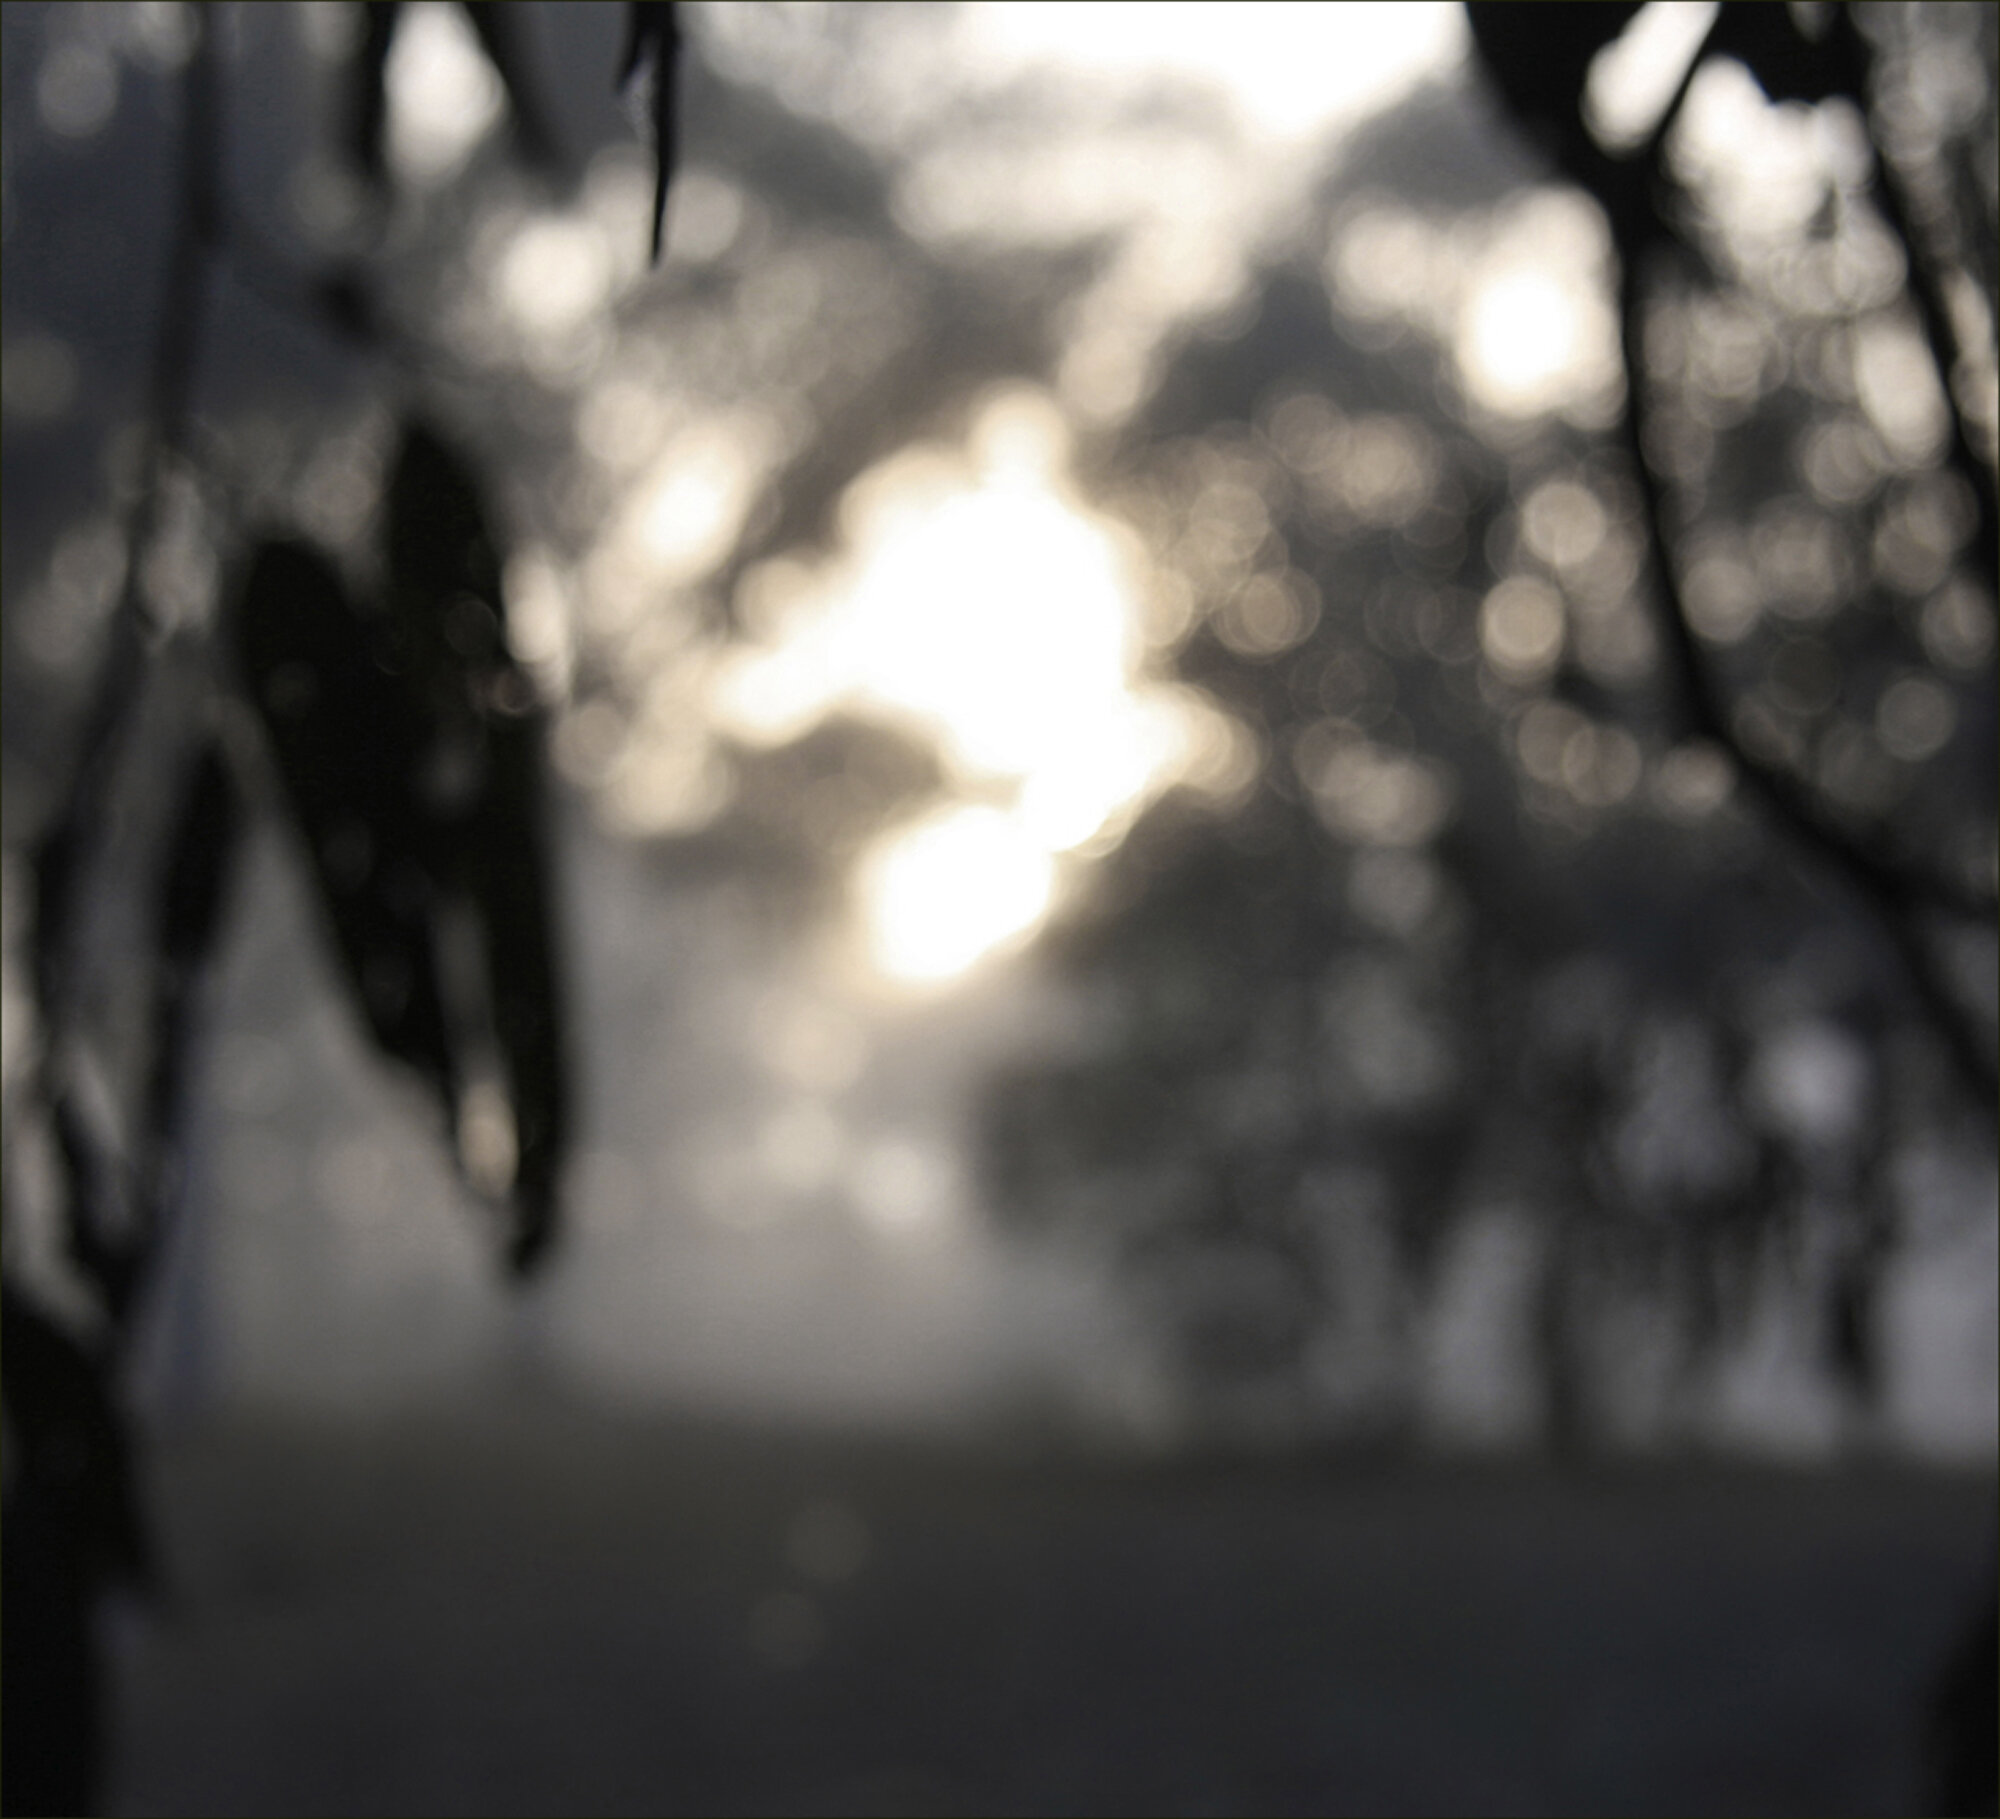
(541, 1613)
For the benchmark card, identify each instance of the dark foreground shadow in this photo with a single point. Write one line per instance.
(611, 1618)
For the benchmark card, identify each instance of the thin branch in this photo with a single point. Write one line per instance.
(1897, 893)
(1926, 285)
(63, 854)
(176, 355)
(1888, 890)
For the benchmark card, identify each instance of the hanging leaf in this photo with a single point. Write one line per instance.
(344, 741)
(1851, 1348)
(499, 29)
(446, 613)
(72, 1439)
(480, 779)
(200, 853)
(410, 746)
(368, 90)
(73, 1527)
(188, 911)
(97, 1240)
(1540, 55)
(507, 876)
(1788, 65)
(652, 57)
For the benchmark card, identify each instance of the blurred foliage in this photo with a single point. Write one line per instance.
(1608, 845)
(1568, 522)
(1627, 922)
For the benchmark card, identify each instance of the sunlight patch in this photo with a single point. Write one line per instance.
(980, 605)
(944, 893)
(443, 95)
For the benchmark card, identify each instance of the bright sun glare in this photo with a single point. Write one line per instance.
(1291, 68)
(983, 606)
(975, 600)
(943, 893)
(1523, 332)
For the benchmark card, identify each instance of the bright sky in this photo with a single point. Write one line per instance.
(1294, 69)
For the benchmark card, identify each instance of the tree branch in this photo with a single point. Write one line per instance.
(63, 854)
(1895, 897)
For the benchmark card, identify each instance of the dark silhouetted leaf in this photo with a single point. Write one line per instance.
(1964, 1765)
(1853, 1350)
(1788, 65)
(71, 1437)
(506, 874)
(652, 56)
(1540, 55)
(193, 890)
(73, 1527)
(479, 778)
(410, 746)
(98, 1243)
(368, 92)
(198, 862)
(345, 743)
(500, 34)
(445, 607)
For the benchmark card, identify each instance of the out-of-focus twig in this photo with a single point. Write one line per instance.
(1898, 895)
(63, 855)
(1927, 291)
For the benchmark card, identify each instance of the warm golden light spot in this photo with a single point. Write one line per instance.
(1521, 629)
(1543, 736)
(1914, 719)
(951, 889)
(1957, 627)
(902, 1185)
(443, 95)
(1563, 523)
(1899, 390)
(1291, 70)
(982, 606)
(1535, 331)
(1724, 602)
(1387, 265)
(685, 516)
(487, 1147)
(1369, 793)
(1633, 78)
(799, 1148)
(1601, 765)
(539, 630)
(1693, 780)
(1762, 170)
(1269, 614)
(555, 275)
(705, 216)
(1378, 469)
(1522, 335)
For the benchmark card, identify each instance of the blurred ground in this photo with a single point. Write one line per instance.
(542, 1612)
